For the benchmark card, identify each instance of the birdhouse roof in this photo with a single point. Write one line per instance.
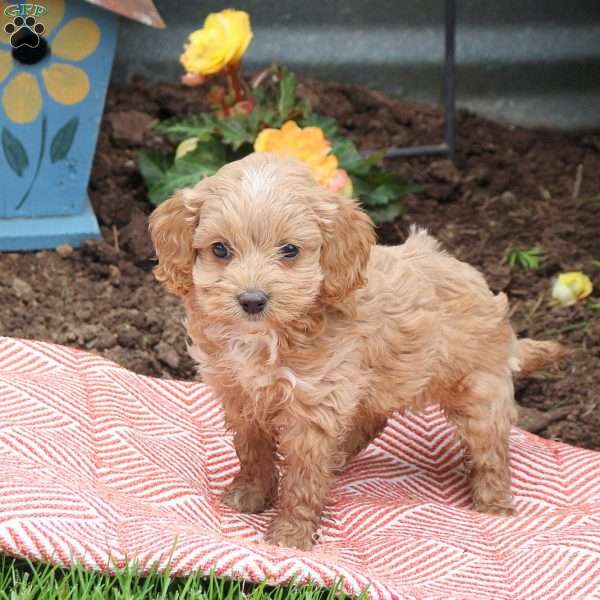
(143, 11)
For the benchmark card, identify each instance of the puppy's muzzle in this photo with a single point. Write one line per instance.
(253, 301)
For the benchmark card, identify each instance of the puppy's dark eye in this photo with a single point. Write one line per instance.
(220, 250)
(289, 251)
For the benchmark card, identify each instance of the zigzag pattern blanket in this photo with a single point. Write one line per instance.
(103, 466)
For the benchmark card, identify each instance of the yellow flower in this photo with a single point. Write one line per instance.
(308, 144)
(65, 83)
(220, 43)
(571, 287)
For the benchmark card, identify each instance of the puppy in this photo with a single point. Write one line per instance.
(312, 335)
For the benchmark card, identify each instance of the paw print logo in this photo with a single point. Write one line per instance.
(31, 76)
(24, 32)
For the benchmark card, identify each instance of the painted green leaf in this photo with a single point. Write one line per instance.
(15, 153)
(63, 140)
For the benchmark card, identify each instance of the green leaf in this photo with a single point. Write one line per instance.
(183, 174)
(212, 152)
(386, 214)
(235, 131)
(287, 95)
(153, 165)
(15, 153)
(358, 165)
(390, 183)
(327, 124)
(405, 187)
(201, 126)
(205, 160)
(596, 263)
(347, 154)
(379, 176)
(260, 118)
(259, 95)
(383, 194)
(526, 259)
(63, 140)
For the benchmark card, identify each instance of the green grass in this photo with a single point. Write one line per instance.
(22, 580)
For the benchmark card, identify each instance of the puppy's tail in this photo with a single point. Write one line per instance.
(535, 355)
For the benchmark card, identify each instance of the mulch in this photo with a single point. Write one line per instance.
(509, 186)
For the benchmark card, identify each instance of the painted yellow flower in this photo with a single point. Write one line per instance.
(571, 287)
(65, 83)
(221, 43)
(310, 145)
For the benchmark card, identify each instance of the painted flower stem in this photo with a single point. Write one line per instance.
(39, 163)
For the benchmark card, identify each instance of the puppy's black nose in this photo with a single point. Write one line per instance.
(253, 301)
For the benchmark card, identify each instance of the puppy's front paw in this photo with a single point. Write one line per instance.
(287, 532)
(246, 497)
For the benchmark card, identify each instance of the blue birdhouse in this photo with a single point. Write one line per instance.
(55, 63)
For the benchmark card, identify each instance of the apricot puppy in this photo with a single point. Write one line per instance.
(312, 335)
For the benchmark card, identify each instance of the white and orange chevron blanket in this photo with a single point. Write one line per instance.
(105, 467)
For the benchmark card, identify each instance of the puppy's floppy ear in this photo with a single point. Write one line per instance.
(348, 235)
(172, 227)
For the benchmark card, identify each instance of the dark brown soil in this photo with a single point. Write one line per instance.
(509, 187)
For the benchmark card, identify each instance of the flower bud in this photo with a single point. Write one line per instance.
(571, 287)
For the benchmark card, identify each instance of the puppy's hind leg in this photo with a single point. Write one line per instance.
(484, 411)
(366, 426)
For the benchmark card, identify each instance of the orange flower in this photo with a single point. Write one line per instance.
(341, 182)
(308, 144)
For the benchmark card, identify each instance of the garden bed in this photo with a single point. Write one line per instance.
(510, 187)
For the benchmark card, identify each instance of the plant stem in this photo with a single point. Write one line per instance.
(233, 73)
(224, 106)
(39, 163)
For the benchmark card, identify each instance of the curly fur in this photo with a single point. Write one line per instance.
(352, 332)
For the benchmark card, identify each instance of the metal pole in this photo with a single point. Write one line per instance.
(450, 78)
(448, 147)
